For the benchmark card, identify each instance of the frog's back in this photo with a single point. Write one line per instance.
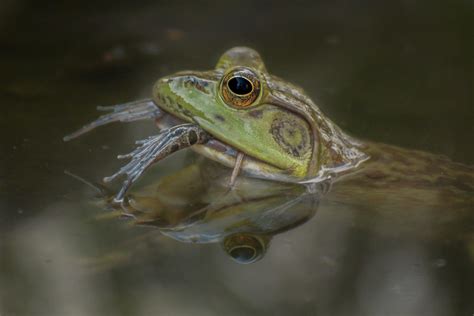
(395, 167)
(410, 189)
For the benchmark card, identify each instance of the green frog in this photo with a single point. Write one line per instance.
(251, 122)
(241, 116)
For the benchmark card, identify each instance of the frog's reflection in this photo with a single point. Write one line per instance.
(196, 205)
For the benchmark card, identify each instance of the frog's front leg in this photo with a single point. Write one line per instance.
(127, 112)
(155, 148)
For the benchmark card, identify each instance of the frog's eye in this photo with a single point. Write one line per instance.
(240, 87)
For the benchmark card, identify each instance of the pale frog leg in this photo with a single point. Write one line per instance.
(127, 112)
(154, 149)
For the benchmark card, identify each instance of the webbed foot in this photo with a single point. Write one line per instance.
(155, 148)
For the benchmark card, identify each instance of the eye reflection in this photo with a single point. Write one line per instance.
(194, 205)
(245, 248)
(240, 85)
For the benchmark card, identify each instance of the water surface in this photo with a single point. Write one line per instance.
(398, 72)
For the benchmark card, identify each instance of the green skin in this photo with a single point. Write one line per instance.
(283, 135)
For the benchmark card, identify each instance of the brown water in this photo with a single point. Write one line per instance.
(398, 72)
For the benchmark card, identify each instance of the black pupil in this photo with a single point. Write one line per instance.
(240, 85)
(243, 254)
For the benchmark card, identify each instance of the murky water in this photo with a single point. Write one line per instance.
(399, 73)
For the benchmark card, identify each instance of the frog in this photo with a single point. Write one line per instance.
(241, 116)
(265, 137)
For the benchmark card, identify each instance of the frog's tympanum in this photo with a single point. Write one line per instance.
(250, 122)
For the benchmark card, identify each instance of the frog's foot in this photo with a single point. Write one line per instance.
(127, 112)
(155, 148)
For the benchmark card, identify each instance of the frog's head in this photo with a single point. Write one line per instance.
(280, 131)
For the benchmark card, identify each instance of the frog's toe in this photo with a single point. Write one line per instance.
(154, 149)
(127, 112)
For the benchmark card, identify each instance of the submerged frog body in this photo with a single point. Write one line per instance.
(241, 116)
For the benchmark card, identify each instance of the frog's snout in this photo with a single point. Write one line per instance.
(164, 95)
(159, 90)
(184, 93)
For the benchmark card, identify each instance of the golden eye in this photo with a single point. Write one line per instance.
(240, 87)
